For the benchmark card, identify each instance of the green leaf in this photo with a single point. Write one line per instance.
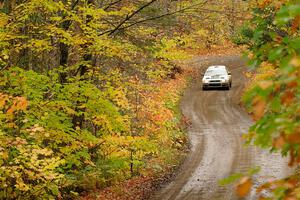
(231, 179)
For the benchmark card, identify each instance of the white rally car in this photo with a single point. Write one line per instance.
(217, 77)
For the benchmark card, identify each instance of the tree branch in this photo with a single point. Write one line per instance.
(111, 4)
(119, 26)
(128, 17)
(163, 15)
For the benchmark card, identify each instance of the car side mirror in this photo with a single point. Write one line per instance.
(229, 73)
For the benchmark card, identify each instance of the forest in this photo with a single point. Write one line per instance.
(90, 89)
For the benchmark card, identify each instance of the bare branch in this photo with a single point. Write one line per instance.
(128, 17)
(163, 15)
(119, 27)
(111, 4)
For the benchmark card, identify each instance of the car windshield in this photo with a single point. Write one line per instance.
(215, 72)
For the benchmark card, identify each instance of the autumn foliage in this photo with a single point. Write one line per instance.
(89, 90)
(84, 105)
(273, 94)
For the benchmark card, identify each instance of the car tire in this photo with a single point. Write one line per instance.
(228, 87)
(204, 88)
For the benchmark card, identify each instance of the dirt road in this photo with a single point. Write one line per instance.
(216, 146)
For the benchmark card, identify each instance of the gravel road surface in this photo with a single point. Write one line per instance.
(217, 149)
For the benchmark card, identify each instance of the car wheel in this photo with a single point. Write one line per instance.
(228, 87)
(203, 88)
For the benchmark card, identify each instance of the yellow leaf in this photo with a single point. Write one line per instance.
(4, 155)
(295, 62)
(3, 100)
(248, 74)
(3, 19)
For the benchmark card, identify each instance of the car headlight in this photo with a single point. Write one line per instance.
(225, 80)
(205, 80)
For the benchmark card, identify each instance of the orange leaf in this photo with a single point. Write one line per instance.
(290, 198)
(278, 39)
(20, 103)
(292, 157)
(291, 183)
(277, 87)
(264, 187)
(11, 110)
(259, 106)
(262, 198)
(278, 142)
(264, 3)
(293, 138)
(288, 97)
(292, 84)
(296, 24)
(244, 187)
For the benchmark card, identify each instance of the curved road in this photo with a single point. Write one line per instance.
(216, 145)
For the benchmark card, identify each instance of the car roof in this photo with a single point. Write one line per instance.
(217, 67)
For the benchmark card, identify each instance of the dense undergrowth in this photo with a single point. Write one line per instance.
(172, 145)
(42, 152)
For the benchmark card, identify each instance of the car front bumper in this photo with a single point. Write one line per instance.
(216, 84)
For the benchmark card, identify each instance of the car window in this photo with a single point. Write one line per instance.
(216, 72)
